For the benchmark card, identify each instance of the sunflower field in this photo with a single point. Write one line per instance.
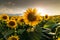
(29, 26)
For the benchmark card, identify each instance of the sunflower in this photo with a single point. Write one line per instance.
(13, 38)
(46, 17)
(12, 23)
(0, 17)
(4, 17)
(14, 17)
(58, 39)
(20, 20)
(31, 18)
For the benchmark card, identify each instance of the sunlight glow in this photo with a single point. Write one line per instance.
(42, 11)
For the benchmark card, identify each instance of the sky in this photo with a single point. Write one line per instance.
(50, 7)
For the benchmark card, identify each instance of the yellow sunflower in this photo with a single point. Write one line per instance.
(20, 20)
(4, 17)
(46, 17)
(13, 38)
(58, 39)
(0, 17)
(31, 18)
(12, 23)
(14, 17)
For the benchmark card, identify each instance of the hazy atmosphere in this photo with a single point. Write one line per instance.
(50, 7)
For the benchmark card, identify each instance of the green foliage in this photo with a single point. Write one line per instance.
(49, 24)
(37, 34)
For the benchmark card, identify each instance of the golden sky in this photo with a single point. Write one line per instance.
(50, 7)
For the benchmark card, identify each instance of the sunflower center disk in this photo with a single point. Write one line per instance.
(4, 17)
(15, 19)
(31, 17)
(11, 23)
(46, 16)
(22, 20)
(14, 38)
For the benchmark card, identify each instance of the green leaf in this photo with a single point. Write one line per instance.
(7, 33)
(20, 31)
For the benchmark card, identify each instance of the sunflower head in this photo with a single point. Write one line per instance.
(20, 20)
(46, 17)
(12, 24)
(13, 38)
(0, 17)
(14, 18)
(4, 17)
(31, 17)
(58, 38)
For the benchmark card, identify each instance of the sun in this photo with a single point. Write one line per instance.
(42, 11)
